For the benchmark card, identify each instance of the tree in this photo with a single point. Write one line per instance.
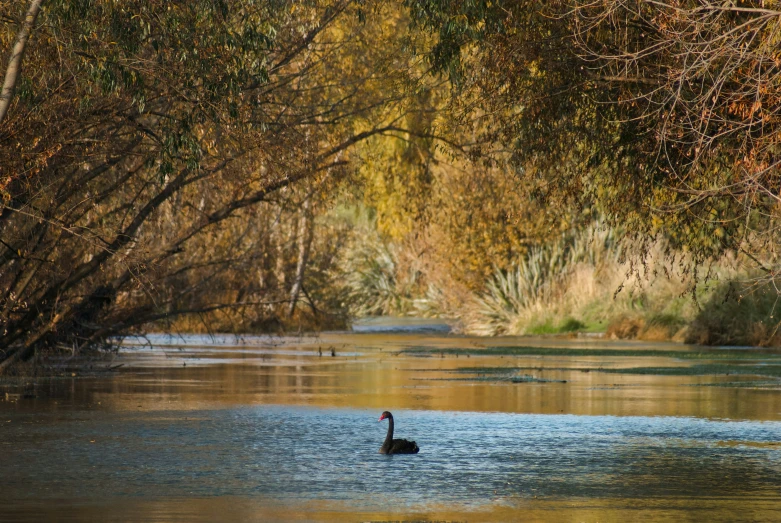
(701, 80)
(15, 62)
(660, 115)
(144, 137)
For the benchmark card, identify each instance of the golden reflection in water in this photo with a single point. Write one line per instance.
(368, 372)
(228, 508)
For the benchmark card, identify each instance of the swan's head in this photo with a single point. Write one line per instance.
(385, 415)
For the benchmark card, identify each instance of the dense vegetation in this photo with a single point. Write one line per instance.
(264, 165)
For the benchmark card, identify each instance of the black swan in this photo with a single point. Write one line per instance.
(396, 446)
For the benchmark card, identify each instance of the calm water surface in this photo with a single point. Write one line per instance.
(266, 429)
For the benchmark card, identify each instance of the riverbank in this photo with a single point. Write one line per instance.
(586, 280)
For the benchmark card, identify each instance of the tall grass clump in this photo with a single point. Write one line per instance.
(544, 285)
(374, 276)
(582, 282)
(587, 280)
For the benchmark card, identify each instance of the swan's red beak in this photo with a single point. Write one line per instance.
(381, 417)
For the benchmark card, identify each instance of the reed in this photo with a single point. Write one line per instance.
(370, 276)
(582, 282)
(544, 290)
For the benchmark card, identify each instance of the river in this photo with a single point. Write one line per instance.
(260, 428)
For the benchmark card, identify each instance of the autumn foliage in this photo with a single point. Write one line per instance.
(265, 165)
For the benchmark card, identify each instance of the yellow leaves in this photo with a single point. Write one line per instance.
(210, 147)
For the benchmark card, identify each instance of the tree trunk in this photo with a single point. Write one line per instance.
(15, 63)
(280, 262)
(304, 242)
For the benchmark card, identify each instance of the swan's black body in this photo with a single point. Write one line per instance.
(396, 446)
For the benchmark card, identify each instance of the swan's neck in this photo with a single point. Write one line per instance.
(389, 437)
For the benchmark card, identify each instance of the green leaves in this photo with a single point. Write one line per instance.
(458, 25)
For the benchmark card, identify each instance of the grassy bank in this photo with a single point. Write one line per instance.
(585, 281)
(582, 282)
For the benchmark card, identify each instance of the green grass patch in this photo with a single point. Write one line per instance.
(541, 329)
(568, 325)
(571, 325)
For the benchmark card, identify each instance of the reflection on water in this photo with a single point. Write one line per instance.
(392, 324)
(263, 433)
(470, 461)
